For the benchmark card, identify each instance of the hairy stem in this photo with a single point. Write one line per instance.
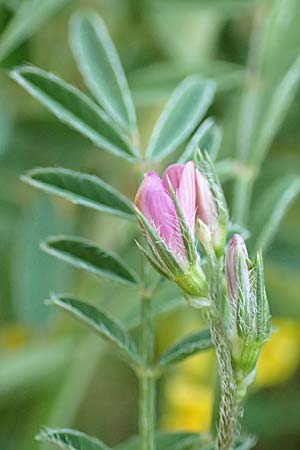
(147, 379)
(228, 406)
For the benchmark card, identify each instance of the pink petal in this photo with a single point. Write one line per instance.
(187, 195)
(182, 178)
(206, 208)
(173, 173)
(158, 207)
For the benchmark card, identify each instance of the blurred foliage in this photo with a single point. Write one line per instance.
(53, 372)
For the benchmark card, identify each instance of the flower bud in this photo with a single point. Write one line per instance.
(236, 268)
(250, 326)
(166, 209)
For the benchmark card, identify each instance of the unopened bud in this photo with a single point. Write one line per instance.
(250, 326)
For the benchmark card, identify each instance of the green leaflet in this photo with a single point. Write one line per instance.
(281, 99)
(156, 82)
(6, 124)
(67, 439)
(207, 137)
(274, 63)
(170, 441)
(80, 188)
(31, 286)
(86, 255)
(183, 112)
(29, 367)
(28, 18)
(188, 346)
(101, 68)
(185, 441)
(75, 109)
(231, 7)
(99, 322)
(271, 209)
(227, 169)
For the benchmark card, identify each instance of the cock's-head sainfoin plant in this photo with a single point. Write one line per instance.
(187, 237)
(184, 214)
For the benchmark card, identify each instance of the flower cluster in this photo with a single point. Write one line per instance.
(186, 206)
(173, 211)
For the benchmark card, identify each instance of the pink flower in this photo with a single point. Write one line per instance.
(154, 200)
(166, 210)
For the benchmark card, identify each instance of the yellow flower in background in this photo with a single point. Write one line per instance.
(280, 355)
(189, 394)
(13, 337)
(199, 366)
(188, 405)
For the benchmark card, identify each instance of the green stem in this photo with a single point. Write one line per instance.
(216, 404)
(229, 407)
(227, 413)
(147, 379)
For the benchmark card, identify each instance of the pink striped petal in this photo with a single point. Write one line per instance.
(187, 195)
(158, 207)
(206, 207)
(174, 174)
(182, 178)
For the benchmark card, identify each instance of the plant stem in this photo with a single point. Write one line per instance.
(226, 404)
(147, 379)
(229, 406)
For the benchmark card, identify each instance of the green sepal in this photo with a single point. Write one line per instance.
(253, 323)
(246, 318)
(158, 246)
(193, 281)
(263, 310)
(187, 237)
(154, 263)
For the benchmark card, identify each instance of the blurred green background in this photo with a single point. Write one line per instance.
(52, 371)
